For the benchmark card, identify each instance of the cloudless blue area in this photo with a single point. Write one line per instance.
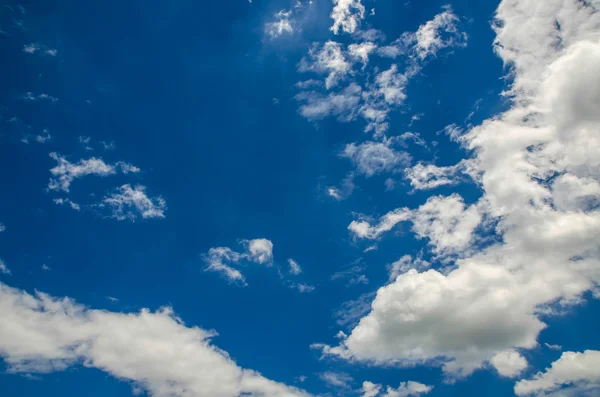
(186, 91)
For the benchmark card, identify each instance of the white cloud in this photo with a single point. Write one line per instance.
(303, 288)
(343, 105)
(440, 32)
(328, 59)
(391, 85)
(404, 264)
(39, 48)
(544, 255)
(260, 251)
(283, 24)
(509, 363)
(295, 268)
(66, 201)
(429, 176)
(347, 15)
(222, 259)
(155, 351)
(129, 203)
(361, 51)
(2, 227)
(43, 137)
(29, 96)
(370, 389)
(371, 158)
(344, 190)
(338, 380)
(363, 229)
(553, 347)
(408, 389)
(46, 268)
(573, 374)
(65, 172)
(215, 259)
(3, 268)
(447, 223)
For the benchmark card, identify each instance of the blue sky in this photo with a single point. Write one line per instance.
(300, 198)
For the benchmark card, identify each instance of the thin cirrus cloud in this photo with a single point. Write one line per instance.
(155, 351)
(489, 305)
(128, 202)
(65, 172)
(37, 48)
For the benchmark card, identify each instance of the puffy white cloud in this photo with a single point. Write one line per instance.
(259, 250)
(295, 268)
(573, 374)
(371, 158)
(370, 389)
(391, 85)
(155, 351)
(441, 32)
(509, 363)
(544, 254)
(347, 15)
(328, 59)
(283, 24)
(447, 224)
(130, 202)
(408, 389)
(3, 268)
(361, 51)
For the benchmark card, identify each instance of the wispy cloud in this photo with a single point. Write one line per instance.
(132, 202)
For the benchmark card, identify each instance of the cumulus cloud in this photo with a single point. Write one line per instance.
(347, 15)
(543, 255)
(406, 389)
(283, 24)
(376, 97)
(222, 259)
(509, 363)
(260, 251)
(573, 374)
(362, 51)
(130, 202)
(154, 351)
(441, 32)
(327, 59)
(370, 389)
